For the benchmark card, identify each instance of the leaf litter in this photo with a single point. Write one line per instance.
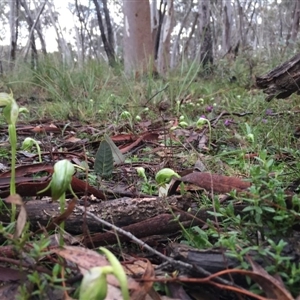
(146, 149)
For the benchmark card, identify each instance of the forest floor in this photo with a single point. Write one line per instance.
(190, 181)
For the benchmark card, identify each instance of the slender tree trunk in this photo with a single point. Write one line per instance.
(79, 46)
(62, 45)
(34, 54)
(38, 27)
(13, 25)
(206, 40)
(110, 33)
(79, 35)
(161, 16)
(190, 37)
(109, 50)
(138, 43)
(31, 38)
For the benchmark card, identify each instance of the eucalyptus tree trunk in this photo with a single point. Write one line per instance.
(155, 22)
(205, 33)
(33, 25)
(163, 58)
(227, 26)
(175, 45)
(138, 42)
(240, 21)
(161, 16)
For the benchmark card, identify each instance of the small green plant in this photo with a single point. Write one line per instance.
(126, 115)
(147, 186)
(200, 123)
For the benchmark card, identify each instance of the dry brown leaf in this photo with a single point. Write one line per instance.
(215, 182)
(84, 258)
(273, 287)
(22, 217)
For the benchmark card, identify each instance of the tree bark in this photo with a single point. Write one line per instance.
(282, 81)
(140, 216)
(138, 43)
(227, 23)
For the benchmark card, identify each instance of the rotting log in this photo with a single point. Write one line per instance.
(282, 81)
(120, 212)
(142, 217)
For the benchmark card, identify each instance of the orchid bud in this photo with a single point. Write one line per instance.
(250, 137)
(6, 99)
(183, 124)
(141, 172)
(61, 178)
(165, 175)
(125, 115)
(11, 110)
(23, 110)
(201, 122)
(27, 143)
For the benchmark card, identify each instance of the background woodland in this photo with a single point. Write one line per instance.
(158, 34)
